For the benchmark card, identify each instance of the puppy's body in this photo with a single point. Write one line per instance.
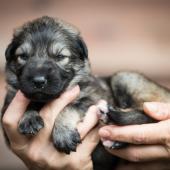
(48, 56)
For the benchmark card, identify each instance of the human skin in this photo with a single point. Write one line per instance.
(38, 152)
(148, 142)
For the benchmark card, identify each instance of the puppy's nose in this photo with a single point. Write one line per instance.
(39, 81)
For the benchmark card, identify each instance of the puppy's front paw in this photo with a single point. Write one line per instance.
(31, 123)
(66, 139)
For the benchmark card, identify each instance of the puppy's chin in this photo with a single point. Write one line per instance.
(41, 97)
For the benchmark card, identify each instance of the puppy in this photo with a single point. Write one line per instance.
(48, 56)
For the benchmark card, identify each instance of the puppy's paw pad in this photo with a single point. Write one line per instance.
(65, 139)
(108, 143)
(103, 107)
(114, 144)
(31, 125)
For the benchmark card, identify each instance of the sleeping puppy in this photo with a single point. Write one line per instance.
(46, 57)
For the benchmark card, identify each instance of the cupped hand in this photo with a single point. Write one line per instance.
(147, 141)
(38, 152)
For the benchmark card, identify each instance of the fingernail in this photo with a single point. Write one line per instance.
(93, 108)
(104, 133)
(74, 89)
(20, 95)
(151, 107)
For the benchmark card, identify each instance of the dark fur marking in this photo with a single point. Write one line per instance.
(124, 100)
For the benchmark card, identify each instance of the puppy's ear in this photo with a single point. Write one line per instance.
(83, 48)
(74, 32)
(10, 51)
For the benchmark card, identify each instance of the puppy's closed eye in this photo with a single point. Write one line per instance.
(22, 58)
(62, 61)
(65, 52)
(63, 57)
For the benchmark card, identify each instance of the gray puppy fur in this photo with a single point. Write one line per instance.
(46, 57)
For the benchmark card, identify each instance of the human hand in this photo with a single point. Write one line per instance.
(38, 152)
(148, 141)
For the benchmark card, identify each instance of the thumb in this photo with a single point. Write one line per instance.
(90, 142)
(157, 110)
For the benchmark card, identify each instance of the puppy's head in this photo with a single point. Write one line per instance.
(45, 57)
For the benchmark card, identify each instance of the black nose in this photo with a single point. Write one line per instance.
(39, 81)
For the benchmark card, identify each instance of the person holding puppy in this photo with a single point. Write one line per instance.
(151, 141)
(45, 58)
(39, 153)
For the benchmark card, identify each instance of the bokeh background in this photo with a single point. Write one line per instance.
(120, 35)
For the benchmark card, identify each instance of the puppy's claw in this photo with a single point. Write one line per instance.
(65, 139)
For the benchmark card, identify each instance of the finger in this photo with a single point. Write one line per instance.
(141, 153)
(89, 143)
(52, 109)
(13, 115)
(137, 134)
(90, 120)
(157, 110)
